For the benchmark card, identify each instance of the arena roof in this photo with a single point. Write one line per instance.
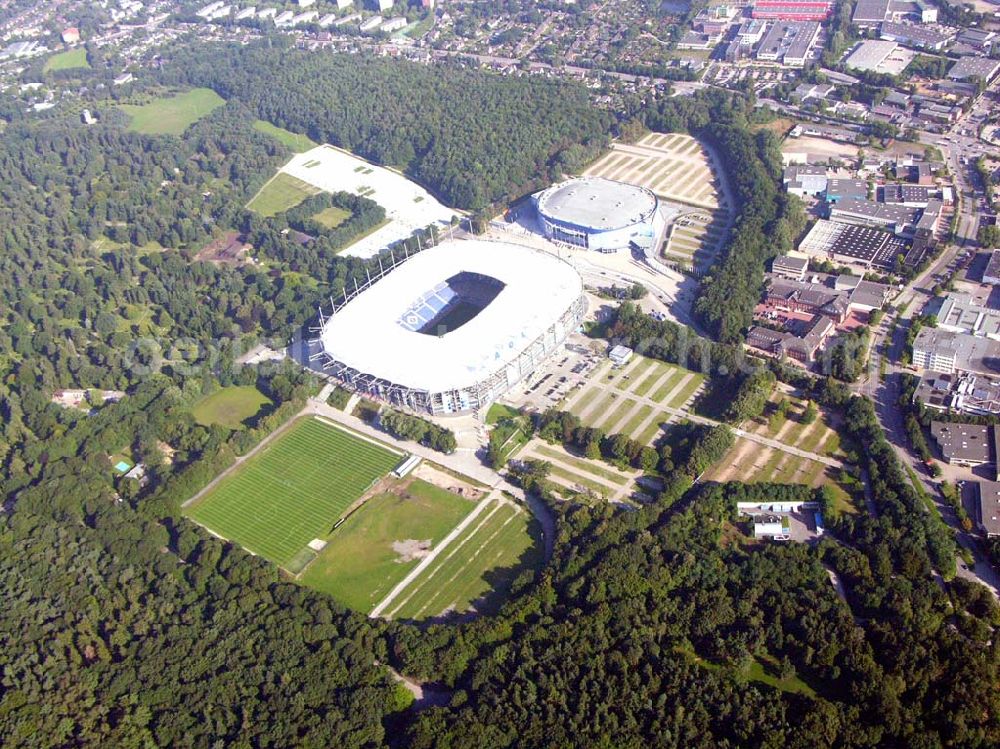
(597, 203)
(367, 334)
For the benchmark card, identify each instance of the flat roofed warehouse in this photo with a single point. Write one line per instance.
(974, 67)
(600, 214)
(869, 54)
(963, 444)
(455, 326)
(849, 243)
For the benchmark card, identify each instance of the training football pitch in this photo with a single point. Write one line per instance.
(293, 490)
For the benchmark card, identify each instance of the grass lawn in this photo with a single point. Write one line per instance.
(73, 58)
(584, 464)
(229, 406)
(767, 674)
(297, 142)
(668, 386)
(293, 490)
(172, 115)
(635, 422)
(283, 191)
(359, 566)
(500, 411)
(579, 479)
(477, 568)
(332, 217)
(687, 391)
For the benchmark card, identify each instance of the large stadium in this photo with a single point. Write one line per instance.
(600, 214)
(455, 326)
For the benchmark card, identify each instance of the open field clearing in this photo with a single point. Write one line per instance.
(633, 399)
(332, 217)
(73, 58)
(476, 568)
(382, 541)
(229, 406)
(172, 115)
(297, 142)
(293, 490)
(753, 462)
(820, 147)
(280, 193)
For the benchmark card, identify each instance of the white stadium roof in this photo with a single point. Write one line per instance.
(597, 203)
(367, 336)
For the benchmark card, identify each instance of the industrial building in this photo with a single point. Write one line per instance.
(974, 67)
(987, 508)
(895, 218)
(992, 272)
(912, 35)
(789, 42)
(853, 245)
(805, 180)
(959, 393)
(870, 54)
(949, 352)
(964, 444)
(792, 10)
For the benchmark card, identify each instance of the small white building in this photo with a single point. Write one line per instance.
(620, 355)
(776, 530)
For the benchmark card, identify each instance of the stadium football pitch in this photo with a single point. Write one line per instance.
(293, 490)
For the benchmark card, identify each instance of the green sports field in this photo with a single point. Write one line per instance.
(172, 115)
(366, 556)
(293, 490)
(68, 60)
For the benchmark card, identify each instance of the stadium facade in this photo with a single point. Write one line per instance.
(600, 214)
(454, 327)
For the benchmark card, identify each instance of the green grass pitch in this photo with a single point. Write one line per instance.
(297, 142)
(293, 490)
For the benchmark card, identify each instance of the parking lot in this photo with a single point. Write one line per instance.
(563, 373)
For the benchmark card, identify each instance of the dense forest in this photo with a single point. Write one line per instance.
(472, 138)
(127, 626)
